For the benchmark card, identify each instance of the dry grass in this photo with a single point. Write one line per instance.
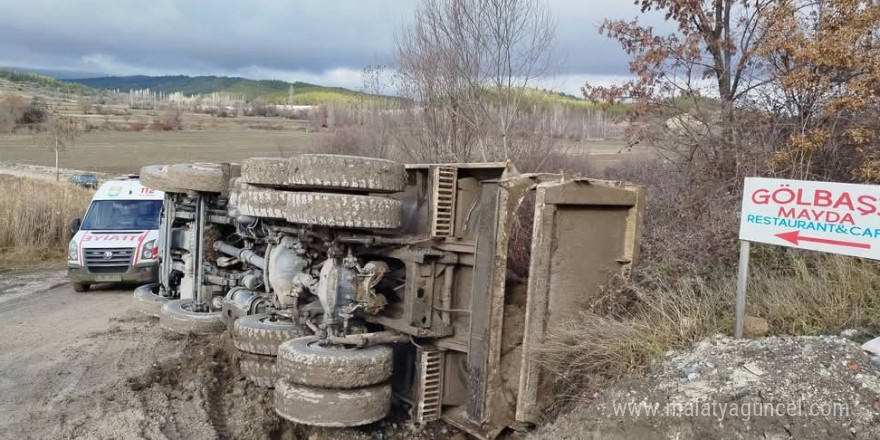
(35, 219)
(798, 293)
(683, 290)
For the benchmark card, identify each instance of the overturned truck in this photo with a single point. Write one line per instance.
(348, 283)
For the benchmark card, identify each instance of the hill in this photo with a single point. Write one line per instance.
(45, 82)
(264, 90)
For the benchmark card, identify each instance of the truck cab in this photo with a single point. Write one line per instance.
(118, 238)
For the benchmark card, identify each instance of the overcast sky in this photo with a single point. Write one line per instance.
(320, 41)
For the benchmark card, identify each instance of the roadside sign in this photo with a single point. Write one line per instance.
(837, 218)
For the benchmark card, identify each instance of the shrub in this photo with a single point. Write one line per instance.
(172, 119)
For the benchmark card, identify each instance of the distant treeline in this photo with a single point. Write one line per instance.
(271, 91)
(45, 81)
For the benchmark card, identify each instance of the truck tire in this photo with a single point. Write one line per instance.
(303, 361)
(147, 301)
(260, 202)
(326, 171)
(343, 210)
(80, 287)
(259, 370)
(262, 333)
(201, 177)
(178, 316)
(156, 177)
(331, 407)
(232, 172)
(322, 209)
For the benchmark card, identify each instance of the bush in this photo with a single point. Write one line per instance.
(35, 114)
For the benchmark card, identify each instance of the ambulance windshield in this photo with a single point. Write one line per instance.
(118, 215)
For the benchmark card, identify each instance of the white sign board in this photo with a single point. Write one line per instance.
(838, 218)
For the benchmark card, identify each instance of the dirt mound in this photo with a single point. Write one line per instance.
(772, 388)
(201, 394)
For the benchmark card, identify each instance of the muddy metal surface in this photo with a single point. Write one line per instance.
(86, 365)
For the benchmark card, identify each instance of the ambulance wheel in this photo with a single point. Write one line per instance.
(81, 287)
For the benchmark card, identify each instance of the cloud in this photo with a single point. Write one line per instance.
(326, 42)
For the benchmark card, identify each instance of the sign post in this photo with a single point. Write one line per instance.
(837, 218)
(742, 281)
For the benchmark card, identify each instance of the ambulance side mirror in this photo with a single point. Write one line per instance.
(74, 225)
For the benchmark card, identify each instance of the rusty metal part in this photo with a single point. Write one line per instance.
(368, 339)
(370, 275)
(240, 302)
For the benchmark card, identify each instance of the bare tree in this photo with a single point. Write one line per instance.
(707, 68)
(467, 64)
(59, 134)
(377, 112)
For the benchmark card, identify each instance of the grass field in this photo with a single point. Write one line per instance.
(126, 152)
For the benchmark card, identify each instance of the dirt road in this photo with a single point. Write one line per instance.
(87, 366)
(44, 173)
(59, 346)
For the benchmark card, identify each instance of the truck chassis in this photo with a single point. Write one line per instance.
(349, 282)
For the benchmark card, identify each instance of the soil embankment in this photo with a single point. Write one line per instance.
(87, 366)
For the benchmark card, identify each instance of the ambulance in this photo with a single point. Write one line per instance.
(118, 239)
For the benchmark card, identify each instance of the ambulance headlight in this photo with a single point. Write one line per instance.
(72, 254)
(150, 251)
